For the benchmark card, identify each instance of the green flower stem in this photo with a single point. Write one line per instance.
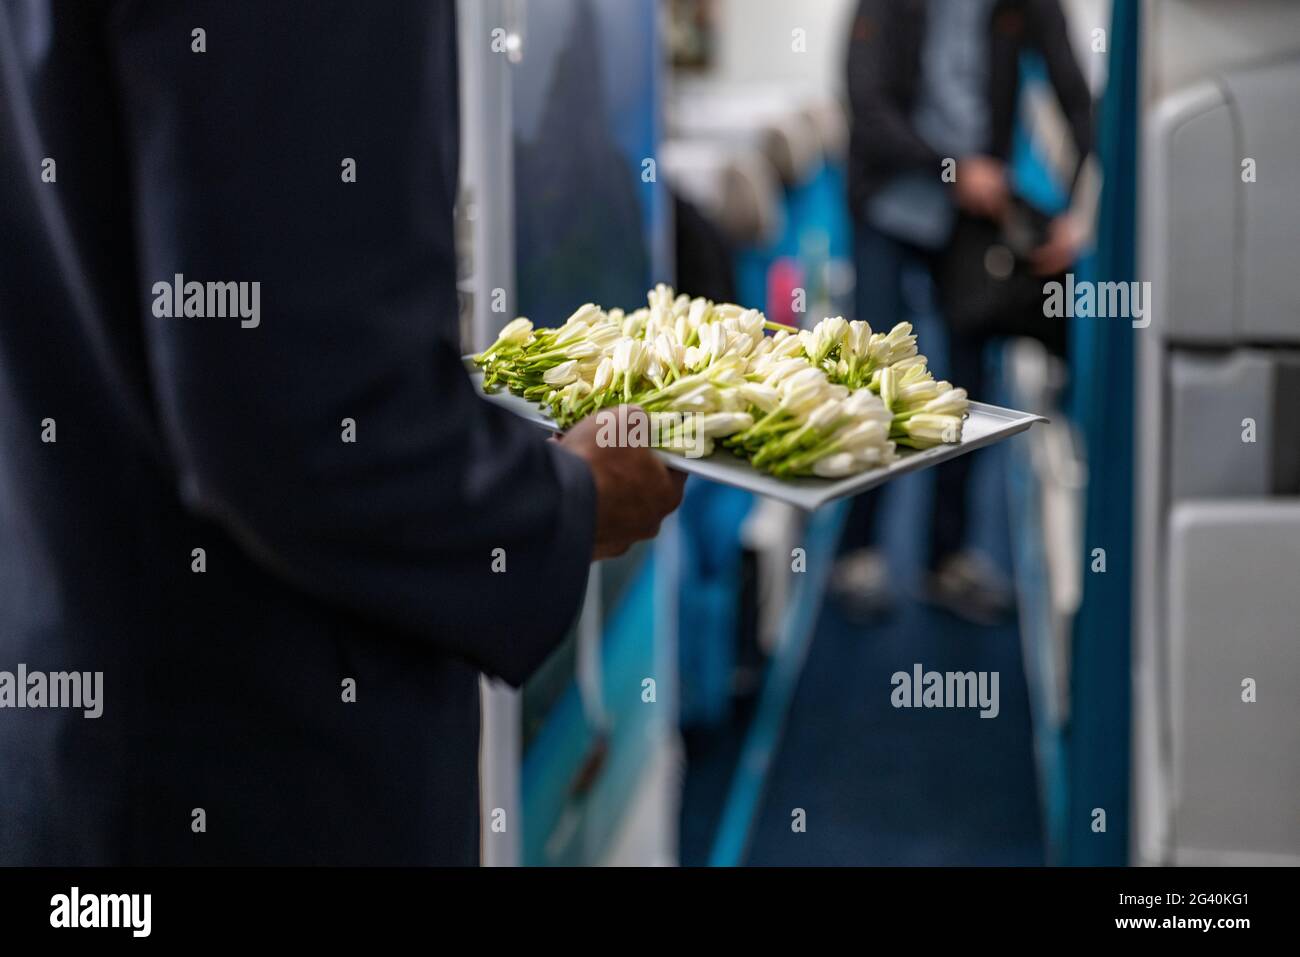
(783, 446)
(677, 388)
(778, 419)
(802, 463)
(798, 441)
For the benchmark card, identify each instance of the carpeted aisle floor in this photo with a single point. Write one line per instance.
(895, 786)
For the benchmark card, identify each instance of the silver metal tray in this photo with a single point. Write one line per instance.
(985, 425)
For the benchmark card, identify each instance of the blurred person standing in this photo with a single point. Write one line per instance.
(933, 88)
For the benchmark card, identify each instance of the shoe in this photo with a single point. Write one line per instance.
(969, 586)
(860, 585)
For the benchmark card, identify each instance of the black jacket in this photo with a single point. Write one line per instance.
(884, 68)
(325, 560)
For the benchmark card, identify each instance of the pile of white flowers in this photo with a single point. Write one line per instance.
(830, 401)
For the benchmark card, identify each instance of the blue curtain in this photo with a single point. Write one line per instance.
(1097, 744)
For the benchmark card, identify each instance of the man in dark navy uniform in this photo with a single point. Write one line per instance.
(271, 529)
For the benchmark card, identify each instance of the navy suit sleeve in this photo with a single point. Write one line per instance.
(236, 156)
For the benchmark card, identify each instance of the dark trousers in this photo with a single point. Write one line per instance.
(884, 265)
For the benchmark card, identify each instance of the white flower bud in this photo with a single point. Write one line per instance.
(661, 294)
(858, 339)
(839, 465)
(825, 415)
(763, 397)
(721, 424)
(751, 323)
(934, 429)
(585, 315)
(865, 405)
(669, 350)
(697, 314)
(888, 388)
(516, 332)
(604, 336)
(622, 355)
(572, 332)
(831, 331)
(949, 402)
(634, 325)
(562, 374)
